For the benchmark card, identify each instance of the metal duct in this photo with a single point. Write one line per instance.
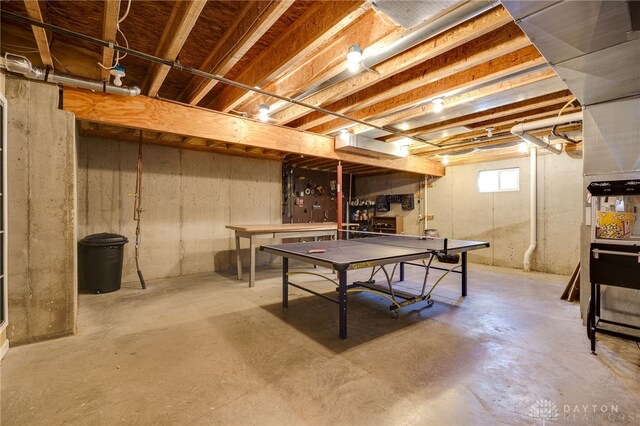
(21, 65)
(522, 129)
(464, 12)
(361, 145)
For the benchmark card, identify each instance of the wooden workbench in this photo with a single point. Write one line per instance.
(285, 230)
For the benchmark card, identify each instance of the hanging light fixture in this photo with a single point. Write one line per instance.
(117, 72)
(263, 112)
(354, 56)
(438, 104)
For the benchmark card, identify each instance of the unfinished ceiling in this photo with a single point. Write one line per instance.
(471, 55)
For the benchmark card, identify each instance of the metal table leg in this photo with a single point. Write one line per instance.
(285, 282)
(342, 299)
(591, 321)
(464, 274)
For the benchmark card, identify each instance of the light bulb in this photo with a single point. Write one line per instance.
(522, 147)
(438, 104)
(445, 160)
(263, 112)
(354, 56)
(117, 72)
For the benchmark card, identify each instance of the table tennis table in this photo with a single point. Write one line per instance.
(371, 250)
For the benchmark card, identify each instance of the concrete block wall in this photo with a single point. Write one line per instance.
(391, 184)
(188, 197)
(42, 239)
(502, 218)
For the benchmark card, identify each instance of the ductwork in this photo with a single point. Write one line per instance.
(465, 11)
(362, 145)
(522, 129)
(21, 65)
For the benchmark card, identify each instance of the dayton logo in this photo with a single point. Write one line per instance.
(544, 410)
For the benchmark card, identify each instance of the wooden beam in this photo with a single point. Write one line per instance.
(317, 24)
(511, 63)
(496, 112)
(371, 31)
(182, 20)
(430, 48)
(534, 114)
(500, 42)
(109, 33)
(37, 10)
(150, 139)
(145, 113)
(499, 140)
(470, 96)
(255, 18)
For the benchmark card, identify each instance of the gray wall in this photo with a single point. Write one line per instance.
(502, 218)
(393, 184)
(42, 240)
(188, 197)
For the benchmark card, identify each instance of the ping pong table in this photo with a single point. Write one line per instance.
(375, 251)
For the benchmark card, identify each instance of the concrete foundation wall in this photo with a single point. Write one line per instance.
(393, 184)
(3, 333)
(502, 218)
(188, 197)
(41, 187)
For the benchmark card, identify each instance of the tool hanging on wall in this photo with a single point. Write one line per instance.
(137, 209)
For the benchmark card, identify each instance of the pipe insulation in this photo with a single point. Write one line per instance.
(522, 129)
(533, 189)
(21, 65)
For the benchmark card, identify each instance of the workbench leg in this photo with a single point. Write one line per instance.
(401, 271)
(342, 299)
(464, 274)
(238, 260)
(285, 282)
(252, 266)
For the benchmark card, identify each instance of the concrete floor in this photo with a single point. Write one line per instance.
(209, 350)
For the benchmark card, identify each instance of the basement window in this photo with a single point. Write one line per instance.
(500, 180)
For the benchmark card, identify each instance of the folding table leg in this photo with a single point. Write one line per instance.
(342, 299)
(464, 274)
(285, 282)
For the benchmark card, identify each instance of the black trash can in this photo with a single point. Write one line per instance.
(100, 262)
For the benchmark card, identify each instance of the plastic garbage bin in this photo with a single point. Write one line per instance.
(100, 262)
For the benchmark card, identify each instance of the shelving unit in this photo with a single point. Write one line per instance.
(388, 224)
(363, 224)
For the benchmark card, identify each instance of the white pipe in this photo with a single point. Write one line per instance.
(21, 65)
(533, 189)
(521, 129)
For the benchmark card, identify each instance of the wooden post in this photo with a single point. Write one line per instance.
(339, 199)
